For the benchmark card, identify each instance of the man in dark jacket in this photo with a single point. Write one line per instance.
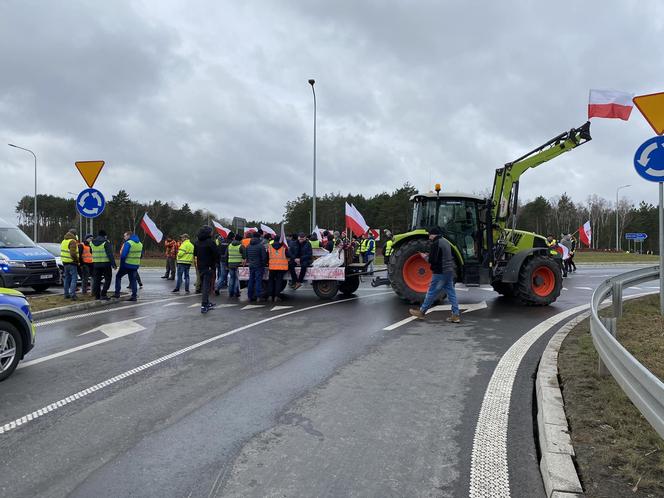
(443, 269)
(302, 256)
(102, 262)
(256, 257)
(206, 255)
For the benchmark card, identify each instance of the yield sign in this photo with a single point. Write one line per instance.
(652, 108)
(89, 170)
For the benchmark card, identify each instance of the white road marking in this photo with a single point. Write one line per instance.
(462, 289)
(252, 306)
(171, 304)
(81, 394)
(465, 308)
(489, 473)
(225, 305)
(194, 306)
(565, 288)
(104, 311)
(279, 308)
(584, 288)
(110, 330)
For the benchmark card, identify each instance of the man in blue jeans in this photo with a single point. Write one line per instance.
(443, 269)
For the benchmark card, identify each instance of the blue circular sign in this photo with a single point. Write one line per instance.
(649, 160)
(90, 203)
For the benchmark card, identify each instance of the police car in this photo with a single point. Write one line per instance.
(17, 331)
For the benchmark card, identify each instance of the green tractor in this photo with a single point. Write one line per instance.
(516, 263)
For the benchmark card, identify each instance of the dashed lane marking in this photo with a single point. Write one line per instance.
(172, 304)
(584, 288)
(279, 308)
(81, 394)
(253, 306)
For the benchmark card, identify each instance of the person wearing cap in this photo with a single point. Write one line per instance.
(185, 258)
(443, 269)
(102, 262)
(303, 254)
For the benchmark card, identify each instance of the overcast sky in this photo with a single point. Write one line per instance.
(207, 102)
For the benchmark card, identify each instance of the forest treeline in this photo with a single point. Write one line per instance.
(389, 210)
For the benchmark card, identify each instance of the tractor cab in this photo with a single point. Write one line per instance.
(458, 215)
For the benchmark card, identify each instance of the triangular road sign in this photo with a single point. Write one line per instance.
(89, 170)
(652, 108)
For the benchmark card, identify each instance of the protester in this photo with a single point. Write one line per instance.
(302, 256)
(102, 262)
(185, 258)
(130, 261)
(292, 251)
(234, 262)
(171, 249)
(329, 241)
(387, 250)
(222, 267)
(443, 271)
(70, 261)
(368, 250)
(255, 256)
(278, 266)
(572, 265)
(206, 254)
(85, 267)
(566, 241)
(313, 240)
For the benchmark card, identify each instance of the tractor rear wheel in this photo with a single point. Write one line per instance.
(540, 281)
(409, 272)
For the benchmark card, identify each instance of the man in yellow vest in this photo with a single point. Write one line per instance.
(185, 258)
(130, 261)
(387, 250)
(70, 261)
(102, 262)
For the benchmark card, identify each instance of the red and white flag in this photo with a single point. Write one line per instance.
(586, 233)
(282, 238)
(610, 104)
(267, 229)
(375, 232)
(563, 251)
(151, 229)
(221, 230)
(247, 230)
(355, 221)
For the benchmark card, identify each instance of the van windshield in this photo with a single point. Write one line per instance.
(14, 238)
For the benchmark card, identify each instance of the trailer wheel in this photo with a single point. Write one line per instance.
(409, 272)
(540, 281)
(350, 285)
(325, 289)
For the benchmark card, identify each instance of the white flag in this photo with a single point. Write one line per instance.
(267, 229)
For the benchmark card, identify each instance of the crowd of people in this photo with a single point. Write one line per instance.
(216, 260)
(567, 247)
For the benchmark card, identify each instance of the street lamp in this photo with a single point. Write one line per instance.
(313, 217)
(34, 238)
(617, 228)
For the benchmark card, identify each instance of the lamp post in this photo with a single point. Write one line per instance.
(34, 237)
(617, 228)
(313, 216)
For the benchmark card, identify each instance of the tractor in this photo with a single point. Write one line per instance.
(487, 250)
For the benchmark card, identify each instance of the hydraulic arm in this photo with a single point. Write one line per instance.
(506, 182)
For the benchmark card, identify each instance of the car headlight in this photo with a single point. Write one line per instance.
(6, 264)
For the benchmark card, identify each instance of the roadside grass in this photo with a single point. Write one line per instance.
(613, 257)
(153, 262)
(617, 451)
(41, 303)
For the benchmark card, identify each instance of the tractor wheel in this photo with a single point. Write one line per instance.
(540, 281)
(325, 289)
(503, 289)
(349, 285)
(409, 272)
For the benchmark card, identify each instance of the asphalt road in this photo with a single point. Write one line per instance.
(309, 398)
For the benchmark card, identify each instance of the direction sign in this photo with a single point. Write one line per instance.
(649, 159)
(90, 203)
(652, 108)
(636, 236)
(89, 170)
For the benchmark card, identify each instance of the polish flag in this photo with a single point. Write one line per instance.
(282, 238)
(355, 221)
(375, 232)
(586, 233)
(267, 229)
(610, 104)
(221, 230)
(247, 230)
(151, 229)
(563, 251)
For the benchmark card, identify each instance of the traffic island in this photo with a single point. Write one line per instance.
(616, 451)
(43, 307)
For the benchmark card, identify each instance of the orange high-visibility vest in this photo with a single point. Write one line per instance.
(278, 259)
(245, 242)
(87, 254)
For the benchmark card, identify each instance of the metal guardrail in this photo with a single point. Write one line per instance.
(644, 389)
